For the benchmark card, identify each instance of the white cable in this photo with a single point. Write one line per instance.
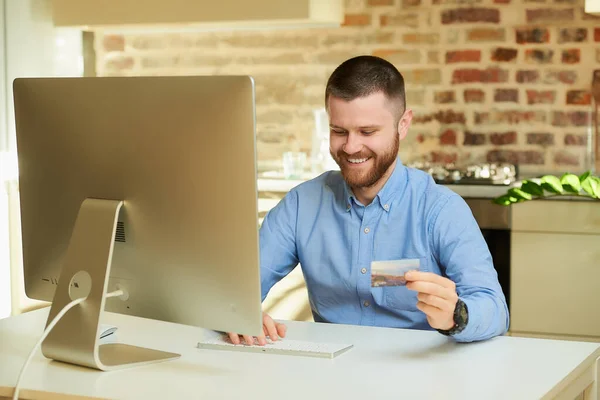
(47, 332)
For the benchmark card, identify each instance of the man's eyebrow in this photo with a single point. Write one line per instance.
(360, 127)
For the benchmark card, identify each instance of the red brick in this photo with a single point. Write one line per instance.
(572, 35)
(579, 97)
(502, 54)
(549, 15)
(532, 35)
(441, 157)
(575, 140)
(554, 76)
(450, 117)
(357, 20)
(405, 20)
(539, 56)
(399, 56)
(489, 75)
(571, 56)
(443, 117)
(421, 38)
(502, 1)
(113, 43)
(596, 34)
(119, 63)
(563, 157)
(463, 56)
(474, 139)
(470, 15)
(528, 76)
(541, 96)
(423, 76)
(503, 138)
(411, 3)
(515, 157)
(444, 97)
(510, 117)
(486, 35)
(375, 3)
(540, 139)
(448, 138)
(474, 96)
(506, 95)
(571, 118)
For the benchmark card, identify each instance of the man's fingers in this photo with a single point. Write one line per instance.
(249, 339)
(430, 277)
(435, 301)
(235, 339)
(281, 329)
(431, 311)
(272, 330)
(432, 288)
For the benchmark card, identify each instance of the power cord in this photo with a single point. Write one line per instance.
(47, 331)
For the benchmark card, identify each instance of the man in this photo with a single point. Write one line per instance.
(376, 209)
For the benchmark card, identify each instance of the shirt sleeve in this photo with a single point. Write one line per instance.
(465, 259)
(278, 254)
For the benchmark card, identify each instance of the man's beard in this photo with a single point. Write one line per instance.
(365, 179)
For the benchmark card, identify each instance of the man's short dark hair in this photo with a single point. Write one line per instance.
(364, 75)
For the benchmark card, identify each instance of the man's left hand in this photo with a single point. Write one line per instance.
(437, 297)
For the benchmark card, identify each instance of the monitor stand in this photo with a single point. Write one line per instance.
(74, 338)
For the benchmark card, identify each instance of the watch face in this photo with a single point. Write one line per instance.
(462, 315)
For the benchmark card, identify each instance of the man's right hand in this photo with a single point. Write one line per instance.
(274, 330)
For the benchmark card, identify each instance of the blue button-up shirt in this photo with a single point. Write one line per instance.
(321, 226)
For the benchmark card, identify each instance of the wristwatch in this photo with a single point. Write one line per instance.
(461, 318)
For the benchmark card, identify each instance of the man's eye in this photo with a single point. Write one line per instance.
(368, 132)
(338, 132)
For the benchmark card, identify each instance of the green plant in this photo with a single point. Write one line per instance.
(585, 185)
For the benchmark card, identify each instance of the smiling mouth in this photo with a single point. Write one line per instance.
(358, 161)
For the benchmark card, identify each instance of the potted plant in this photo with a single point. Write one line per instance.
(586, 185)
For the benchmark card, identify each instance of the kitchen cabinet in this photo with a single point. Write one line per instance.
(119, 14)
(555, 269)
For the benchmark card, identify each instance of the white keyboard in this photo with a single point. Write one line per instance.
(281, 346)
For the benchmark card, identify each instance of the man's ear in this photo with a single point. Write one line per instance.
(404, 123)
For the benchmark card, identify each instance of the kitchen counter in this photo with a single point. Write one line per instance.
(282, 185)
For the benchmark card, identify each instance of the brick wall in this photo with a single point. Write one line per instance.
(488, 80)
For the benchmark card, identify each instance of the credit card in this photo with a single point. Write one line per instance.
(391, 272)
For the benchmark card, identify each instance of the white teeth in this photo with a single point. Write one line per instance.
(358, 161)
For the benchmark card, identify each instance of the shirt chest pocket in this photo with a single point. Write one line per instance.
(400, 298)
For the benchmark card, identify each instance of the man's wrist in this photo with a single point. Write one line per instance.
(461, 318)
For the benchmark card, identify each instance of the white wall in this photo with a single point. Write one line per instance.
(33, 48)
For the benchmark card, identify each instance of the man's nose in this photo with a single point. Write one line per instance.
(353, 144)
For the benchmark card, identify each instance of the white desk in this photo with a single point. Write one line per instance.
(385, 363)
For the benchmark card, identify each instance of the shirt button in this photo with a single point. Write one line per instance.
(348, 207)
(367, 230)
(366, 303)
(386, 207)
(364, 270)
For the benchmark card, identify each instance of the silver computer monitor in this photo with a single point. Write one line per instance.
(173, 160)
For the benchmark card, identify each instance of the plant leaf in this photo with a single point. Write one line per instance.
(589, 185)
(532, 188)
(552, 184)
(570, 183)
(597, 188)
(519, 194)
(505, 200)
(584, 176)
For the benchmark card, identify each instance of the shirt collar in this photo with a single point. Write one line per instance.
(394, 187)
